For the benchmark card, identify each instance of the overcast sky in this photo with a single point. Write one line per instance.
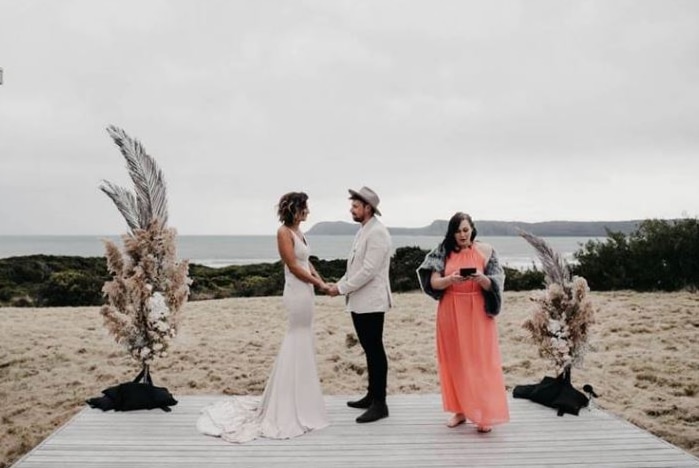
(527, 111)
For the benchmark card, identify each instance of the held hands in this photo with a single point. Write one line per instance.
(329, 288)
(332, 290)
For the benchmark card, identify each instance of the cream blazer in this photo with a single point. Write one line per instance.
(366, 284)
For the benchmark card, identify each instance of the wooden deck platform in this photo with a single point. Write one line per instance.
(413, 436)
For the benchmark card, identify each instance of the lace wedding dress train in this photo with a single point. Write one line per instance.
(292, 403)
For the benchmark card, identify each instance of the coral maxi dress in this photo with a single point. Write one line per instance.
(470, 368)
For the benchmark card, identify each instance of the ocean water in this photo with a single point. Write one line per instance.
(220, 251)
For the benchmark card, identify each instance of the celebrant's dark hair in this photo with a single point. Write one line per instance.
(290, 205)
(449, 242)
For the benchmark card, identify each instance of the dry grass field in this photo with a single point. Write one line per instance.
(644, 365)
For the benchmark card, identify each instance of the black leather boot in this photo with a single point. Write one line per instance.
(377, 410)
(362, 403)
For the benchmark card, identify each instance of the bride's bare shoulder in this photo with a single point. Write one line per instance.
(284, 233)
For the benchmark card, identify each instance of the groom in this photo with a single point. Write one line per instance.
(367, 292)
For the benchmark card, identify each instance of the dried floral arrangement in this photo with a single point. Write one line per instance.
(560, 325)
(149, 284)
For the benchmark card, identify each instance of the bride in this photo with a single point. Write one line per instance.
(292, 403)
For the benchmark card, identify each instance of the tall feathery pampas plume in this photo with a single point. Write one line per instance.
(149, 285)
(560, 324)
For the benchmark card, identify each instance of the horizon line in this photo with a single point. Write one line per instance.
(337, 221)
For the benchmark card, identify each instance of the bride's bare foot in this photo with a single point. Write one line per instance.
(455, 420)
(484, 429)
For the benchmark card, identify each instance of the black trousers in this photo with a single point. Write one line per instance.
(369, 328)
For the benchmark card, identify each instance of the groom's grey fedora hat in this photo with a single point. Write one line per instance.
(368, 196)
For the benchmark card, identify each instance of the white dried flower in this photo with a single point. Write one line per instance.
(559, 306)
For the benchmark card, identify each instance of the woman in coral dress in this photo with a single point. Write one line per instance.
(292, 403)
(468, 353)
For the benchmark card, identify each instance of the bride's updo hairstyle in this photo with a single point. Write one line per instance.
(290, 205)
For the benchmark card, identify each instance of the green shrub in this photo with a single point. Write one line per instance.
(330, 270)
(404, 264)
(523, 280)
(660, 255)
(71, 288)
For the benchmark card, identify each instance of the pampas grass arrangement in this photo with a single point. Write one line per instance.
(149, 285)
(560, 325)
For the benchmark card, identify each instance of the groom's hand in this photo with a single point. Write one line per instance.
(333, 291)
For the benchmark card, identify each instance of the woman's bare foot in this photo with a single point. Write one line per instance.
(484, 429)
(455, 420)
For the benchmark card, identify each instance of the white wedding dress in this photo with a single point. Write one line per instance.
(292, 403)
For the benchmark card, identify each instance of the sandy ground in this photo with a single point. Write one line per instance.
(644, 365)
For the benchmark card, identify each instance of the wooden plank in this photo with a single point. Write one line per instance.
(413, 436)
